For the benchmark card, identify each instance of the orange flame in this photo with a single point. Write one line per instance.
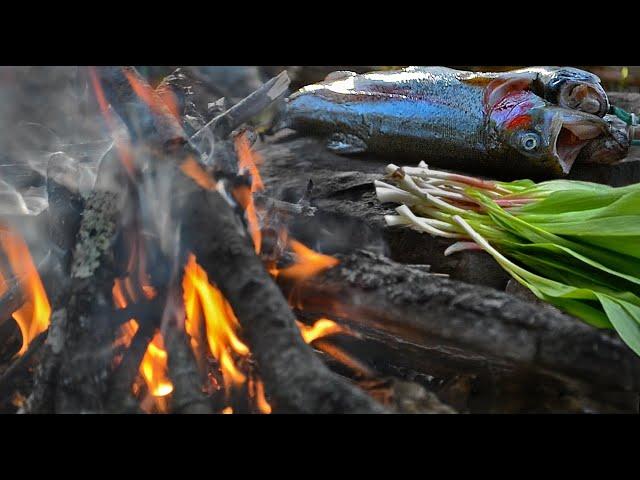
(321, 328)
(33, 317)
(153, 367)
(248, 160)
(124, 152)
(261, 400)
(309, 263)
(202, 299)
(156, 102)
(192, 169)
(220, 321)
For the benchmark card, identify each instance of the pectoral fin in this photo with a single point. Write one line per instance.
(344, 143)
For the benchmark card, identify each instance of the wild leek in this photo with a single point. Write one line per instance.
(575, 245)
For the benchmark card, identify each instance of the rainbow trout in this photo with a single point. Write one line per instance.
(529, 121)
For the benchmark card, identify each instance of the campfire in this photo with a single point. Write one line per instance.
(181, 261)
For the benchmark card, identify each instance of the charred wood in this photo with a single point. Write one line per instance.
(464, 325)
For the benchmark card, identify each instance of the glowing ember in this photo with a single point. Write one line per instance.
(309, 263)
(33, 317)
(321, 328)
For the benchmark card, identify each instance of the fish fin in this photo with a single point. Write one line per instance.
(345, 143)
(339, 75)
(477, 80)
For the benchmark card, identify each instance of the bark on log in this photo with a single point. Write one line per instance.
(85, 359)
(469, 323)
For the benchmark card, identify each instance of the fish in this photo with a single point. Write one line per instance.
(457, 119)
(548, 136)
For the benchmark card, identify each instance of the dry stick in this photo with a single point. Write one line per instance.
(295, 378)
(281, 206)
(243, 111)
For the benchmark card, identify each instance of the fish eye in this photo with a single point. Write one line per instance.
(529, 141)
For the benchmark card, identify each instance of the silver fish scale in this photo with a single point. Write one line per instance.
(428, 112)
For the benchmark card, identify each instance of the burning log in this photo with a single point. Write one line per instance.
(443, 327)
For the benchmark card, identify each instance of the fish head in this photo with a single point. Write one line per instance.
(572, 88)
(608, 148)
(548, 136)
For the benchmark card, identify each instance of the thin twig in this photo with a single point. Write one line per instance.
(243, 111)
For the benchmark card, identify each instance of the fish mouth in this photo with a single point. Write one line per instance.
(570, 134)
